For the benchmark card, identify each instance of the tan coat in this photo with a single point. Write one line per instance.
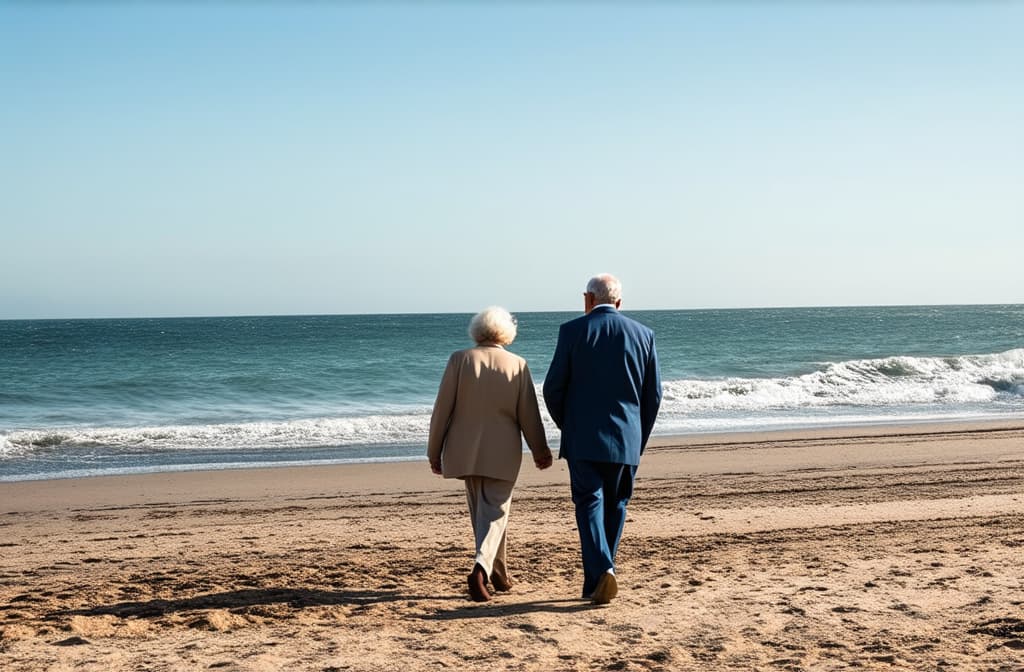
(485, 405)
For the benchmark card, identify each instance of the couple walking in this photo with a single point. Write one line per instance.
(603, 390)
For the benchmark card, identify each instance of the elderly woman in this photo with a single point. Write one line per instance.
(485, 405)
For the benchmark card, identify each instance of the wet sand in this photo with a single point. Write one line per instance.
(898, 548)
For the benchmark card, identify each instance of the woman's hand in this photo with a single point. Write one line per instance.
(436, 467)
(543, 461)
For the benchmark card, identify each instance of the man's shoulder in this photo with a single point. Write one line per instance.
(574, 324)
(639, 326)
(622, 319)
(583, 321)
(637, 331)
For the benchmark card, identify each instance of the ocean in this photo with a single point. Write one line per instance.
(113, 396)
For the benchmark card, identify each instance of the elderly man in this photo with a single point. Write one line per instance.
(603, 390)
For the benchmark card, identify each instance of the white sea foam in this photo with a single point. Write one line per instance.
(893, 381)
(874, 390)
(6, 447)
(348, 431)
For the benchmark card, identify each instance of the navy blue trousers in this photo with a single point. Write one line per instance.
(600, 491)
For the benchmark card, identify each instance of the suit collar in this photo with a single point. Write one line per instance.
(604, 308)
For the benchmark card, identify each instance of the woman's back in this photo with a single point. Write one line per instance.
(486, 402)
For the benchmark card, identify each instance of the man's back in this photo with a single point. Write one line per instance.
(603, 388)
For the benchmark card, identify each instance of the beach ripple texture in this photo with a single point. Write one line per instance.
(81, 397)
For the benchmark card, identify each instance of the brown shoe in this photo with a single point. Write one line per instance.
(477, 581)
(501, 583)
(607, 588)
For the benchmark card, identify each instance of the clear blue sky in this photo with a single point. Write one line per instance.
(271, 158)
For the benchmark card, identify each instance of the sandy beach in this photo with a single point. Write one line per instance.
(876, 548)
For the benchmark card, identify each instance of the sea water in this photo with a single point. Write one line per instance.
(85, 397)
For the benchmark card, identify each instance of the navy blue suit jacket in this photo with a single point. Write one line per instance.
(603, 387)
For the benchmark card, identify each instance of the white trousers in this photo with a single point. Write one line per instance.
(490, 501)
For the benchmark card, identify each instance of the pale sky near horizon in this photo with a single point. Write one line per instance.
(162, 159)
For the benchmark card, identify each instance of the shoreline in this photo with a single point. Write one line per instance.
(784, 451)
(895, 547)
(866, 429)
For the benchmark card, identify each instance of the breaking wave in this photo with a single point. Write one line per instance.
(358, 431)
(868, 388)
(891, 381)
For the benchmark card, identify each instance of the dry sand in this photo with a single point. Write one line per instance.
(884, 548)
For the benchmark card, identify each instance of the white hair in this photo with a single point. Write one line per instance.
(493, 325)
(605, 287)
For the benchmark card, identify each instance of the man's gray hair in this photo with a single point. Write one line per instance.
(493, 325)
(605, 287)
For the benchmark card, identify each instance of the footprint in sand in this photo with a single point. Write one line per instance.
(72, 641)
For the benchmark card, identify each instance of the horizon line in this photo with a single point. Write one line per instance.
(472, 312)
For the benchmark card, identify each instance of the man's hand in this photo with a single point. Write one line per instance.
(543, 461)
(436, 467)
